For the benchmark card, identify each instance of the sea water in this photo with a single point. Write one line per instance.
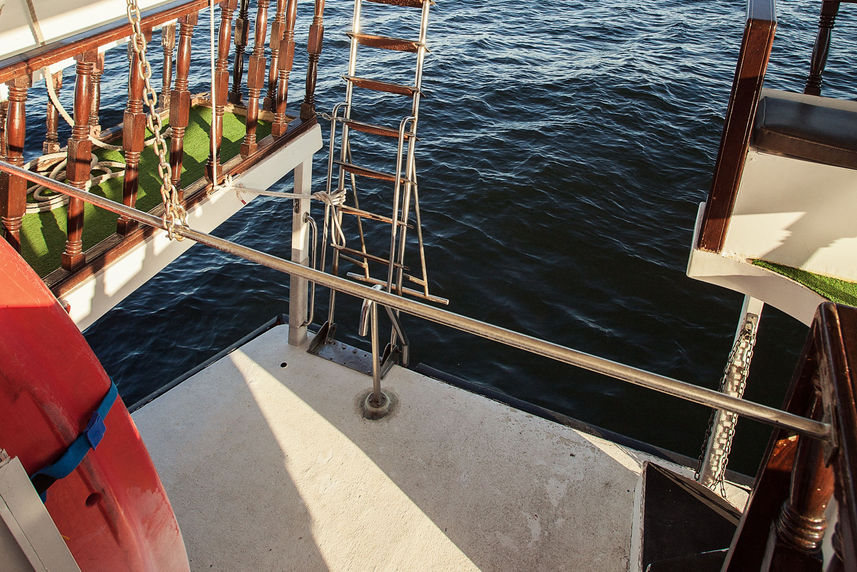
(564, 149)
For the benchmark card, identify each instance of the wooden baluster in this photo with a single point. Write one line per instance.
(255, 79)
(829, 9)
(168, 42)
(277, 29)
(52, 143)
(242, 29)
(180, 99)
(94, 124)
(287, 49)
(221, 82)
(79, 156)
(799, 528)
(133, 140)
(4, 111)
(13, 190)
(837, 561)
(316, 35)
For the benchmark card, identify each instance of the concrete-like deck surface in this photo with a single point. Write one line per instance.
(269, 465)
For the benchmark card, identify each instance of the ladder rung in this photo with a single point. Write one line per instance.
(366, 255)
(406, 3)
(366, 214)
(385, 43)
(366, 172)
(384, 86)
(408, 291)
(374, 129)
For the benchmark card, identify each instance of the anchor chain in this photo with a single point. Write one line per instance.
(720, 432)
(174, 212)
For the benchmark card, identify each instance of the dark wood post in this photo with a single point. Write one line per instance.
(284, 69)
(180, 100)
(79, 156)
(242, 29)
(221, 81)
(13, 190)
(316, 35)
(829, 10)
(133, 140)
(277, 29)
(52, 143)
(4, 111)
(799, 528)
(168, 42)
(255, 79)
(97, 72)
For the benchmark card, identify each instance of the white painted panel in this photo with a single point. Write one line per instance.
(796, 213)
(57, 19)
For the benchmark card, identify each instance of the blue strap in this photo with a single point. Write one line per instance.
(89, 439)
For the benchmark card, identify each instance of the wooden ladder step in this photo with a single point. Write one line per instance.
(370, 173)
(345, 209)
(385, 43)
(384, 86)
(408, 291)
(405, 3)
(367, 256)
(375, 129)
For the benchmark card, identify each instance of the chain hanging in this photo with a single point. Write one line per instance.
(174, 212)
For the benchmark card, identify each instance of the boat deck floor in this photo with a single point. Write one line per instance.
(269, 464)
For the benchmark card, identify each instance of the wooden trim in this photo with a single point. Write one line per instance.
(38, 58)
(738, 128)
(829, 10)
(255, 79)
(114, 247)
(314, 43)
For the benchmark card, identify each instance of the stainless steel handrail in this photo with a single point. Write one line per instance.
(663, 384)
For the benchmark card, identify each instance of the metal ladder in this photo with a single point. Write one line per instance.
(343, 174)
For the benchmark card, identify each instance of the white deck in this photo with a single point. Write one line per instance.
(272, 467)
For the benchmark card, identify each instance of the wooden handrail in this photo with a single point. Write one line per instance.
(784, 522)
(735, 141)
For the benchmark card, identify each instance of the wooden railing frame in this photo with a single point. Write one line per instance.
(783, 525)
(738, 128)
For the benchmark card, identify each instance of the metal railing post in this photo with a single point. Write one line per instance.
(298, 298)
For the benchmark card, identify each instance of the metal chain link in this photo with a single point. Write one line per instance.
(737, 370)
(174, 212)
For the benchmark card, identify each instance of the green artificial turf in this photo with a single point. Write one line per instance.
(833, 289)
(43, 235)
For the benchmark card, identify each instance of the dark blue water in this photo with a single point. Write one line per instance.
(564, 149)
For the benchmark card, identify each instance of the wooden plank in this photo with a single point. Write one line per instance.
(735, 141)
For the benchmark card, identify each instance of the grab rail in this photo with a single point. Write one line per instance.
(663, 384)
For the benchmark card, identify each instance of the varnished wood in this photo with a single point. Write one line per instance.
(829, 10)
(255, 79)
(133, 139)
(799, 528)
(168, 43)
(314, 42)
(385, 43)
(180, 101)
(278, 28)
(79, 155)
(13, 190)
(382, 86)
(114, 248)
(242, 31)
(735, 141)
(221, 81)
(284, 66)
(95, 85)
(52, 143)
(4, 111)
(375, 129)
(30, 62)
